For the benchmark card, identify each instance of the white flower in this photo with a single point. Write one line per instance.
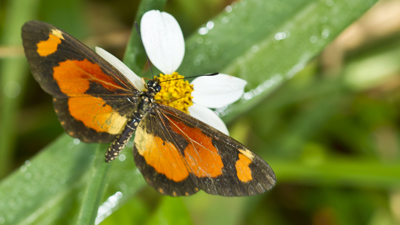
(164, 43)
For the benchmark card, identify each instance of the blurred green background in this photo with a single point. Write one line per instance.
(321, 107)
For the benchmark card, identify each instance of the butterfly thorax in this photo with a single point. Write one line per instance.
(144, 101)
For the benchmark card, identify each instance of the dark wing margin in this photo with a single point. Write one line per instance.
(89, 94)
(48, 48)
(216, 163)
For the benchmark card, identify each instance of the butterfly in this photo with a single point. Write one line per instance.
(177, 154)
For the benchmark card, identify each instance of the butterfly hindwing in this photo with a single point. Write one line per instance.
(158, 158)
(196, 156)
(90, 119)
(89, 94)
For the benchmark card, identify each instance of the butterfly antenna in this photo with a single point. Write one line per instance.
(208, 75)
(147, 57)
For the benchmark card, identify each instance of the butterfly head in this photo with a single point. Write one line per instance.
(153, 87)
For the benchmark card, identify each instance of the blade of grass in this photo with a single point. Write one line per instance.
(96, 186)
(44, 182)
(12, 79)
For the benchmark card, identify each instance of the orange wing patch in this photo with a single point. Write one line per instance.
(161, 155)
(201, 155)
(242, 168)
(49, 46)
(95, 114)
(73, 77)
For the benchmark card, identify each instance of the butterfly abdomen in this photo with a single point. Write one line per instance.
(121, 139)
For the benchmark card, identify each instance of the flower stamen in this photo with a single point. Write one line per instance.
(175, 91)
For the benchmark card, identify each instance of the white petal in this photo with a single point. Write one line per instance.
(207, 116)
(217, 91)
(163, 40)
(128, 73)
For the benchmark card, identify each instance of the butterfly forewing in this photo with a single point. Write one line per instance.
(89, 94)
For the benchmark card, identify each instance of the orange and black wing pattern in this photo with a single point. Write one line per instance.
(180, 155)
(89, 94)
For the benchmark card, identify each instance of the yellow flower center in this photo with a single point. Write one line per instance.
(175, 91)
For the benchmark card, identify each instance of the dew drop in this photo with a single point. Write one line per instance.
(196, 62)
(129, 144)
(122, 157)
(210, 25)
(136, 171)
(22, 169)
(313, 39)
(27, 163)
(255, 48)
(280, 36)
(71, 144)
(262, 87)
(325, 34)
(76, 141)
(295, 69)
(12, 89)
(203, 31)
(248, 96)
(228, 9)
(225, 19)
(107, 207)
(200, 40)
(2, 220)
(323, 19)
(123, 186)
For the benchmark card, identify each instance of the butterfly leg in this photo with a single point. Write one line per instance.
(120, 140)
